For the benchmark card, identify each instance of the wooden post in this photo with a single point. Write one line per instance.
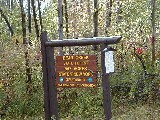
(106, 86)
(53, 105)
(45, 77)
(48, 66)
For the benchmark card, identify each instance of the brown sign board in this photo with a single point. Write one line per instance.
(76, 71)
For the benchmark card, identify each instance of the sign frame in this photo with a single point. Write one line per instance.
(48, 69)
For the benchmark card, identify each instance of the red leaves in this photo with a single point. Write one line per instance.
(139, 51)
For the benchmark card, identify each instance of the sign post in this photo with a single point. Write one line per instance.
(106, 86)
(73, 71)
(50, 94)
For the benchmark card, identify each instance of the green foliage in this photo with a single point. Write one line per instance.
(130, 87)
(81, 103)
(20, 104)
(50, 20)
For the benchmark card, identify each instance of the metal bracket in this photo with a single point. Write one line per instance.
(109, 49)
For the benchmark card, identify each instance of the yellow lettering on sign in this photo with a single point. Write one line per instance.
(85, 85)
(84, 68)
(80, 68)
(86, 57)
(76, 63)
(68, 57)
(67, 68)
(75, 68)
(79, 57)
(80, 73)
(65, 85)
(67, 63)
(78, 79)
(68, 79)
(60, 85)
(87, 74)
(77, 85)
(76, 74)
(72, 85)
(59, 74)
(64, 57)
(91, 85)
(88, 85)
(74, 79)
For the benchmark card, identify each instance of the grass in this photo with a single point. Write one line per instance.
(130, 112)
(119, 112)
(138, 112)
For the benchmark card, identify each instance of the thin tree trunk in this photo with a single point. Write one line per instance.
(60, 19)
(35, 18)
(23, 15)
(118, 20)
(89, 10)
(29, 17)
(29, 21)
(8, 3)
(119, 11)
(7, 22)
(66, 19)
(108, 15)
(95, 20)
(25, 42)
(153, 2)
(40, 15)
(11, 4)
(60, 22)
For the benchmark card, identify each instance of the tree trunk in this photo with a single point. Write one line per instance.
(29, 21)
(29, 17)
(25, 42)
(11, 4)
(7, 22)
(95, 20)
(66, 19)
(89, 10)
(35, 18)
(108, 15)
(60, 21)
(23, 15)
(40, 15)
(118, 11)
(153, 2)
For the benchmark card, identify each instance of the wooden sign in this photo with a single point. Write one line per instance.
(76, 71)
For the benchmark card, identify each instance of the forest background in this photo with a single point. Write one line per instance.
(135, 85)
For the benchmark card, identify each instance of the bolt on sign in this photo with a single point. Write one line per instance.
(76, 71)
